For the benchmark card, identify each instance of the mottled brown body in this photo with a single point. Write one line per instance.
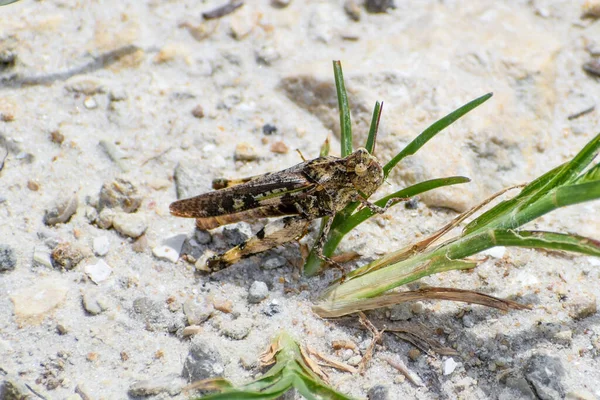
(306, 191)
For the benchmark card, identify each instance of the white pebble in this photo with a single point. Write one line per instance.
(170, 248)
(448, 366)
(496, 252)
(101, 245)
(98, 272)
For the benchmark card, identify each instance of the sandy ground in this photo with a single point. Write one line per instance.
(151, 96)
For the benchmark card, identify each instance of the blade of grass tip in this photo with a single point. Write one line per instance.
(433, 130)
(371, 140)
(345, 121)
(324, 148)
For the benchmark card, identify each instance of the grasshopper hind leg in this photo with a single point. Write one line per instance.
(273, 234)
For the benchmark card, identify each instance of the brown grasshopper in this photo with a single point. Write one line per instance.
(309, 190)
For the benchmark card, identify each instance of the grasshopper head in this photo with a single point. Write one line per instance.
(367, 174)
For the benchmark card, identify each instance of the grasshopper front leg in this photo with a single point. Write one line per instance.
(375, 208)
(273, 234)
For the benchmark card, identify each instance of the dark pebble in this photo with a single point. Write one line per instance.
(8, 259)
(379, 6)
(269, 129)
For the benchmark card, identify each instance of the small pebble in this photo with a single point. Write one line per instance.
(38, 299)
(192, 330)
(90, 103)
(269, 129)
(57, 137)
(274, 262)
(42, 258)
(202, 237)
(582, 306)
(170, 248)
(172, 384)
(66, 255)
(120, 194)
(378, 392)
(400, 312)
(448, 366)
(414, 354)
(592, 67)
(98, 272)
(117, 94)
(272, 308)
(354, 360)
(279, 148)
(91, 214)
(140, 245)
(267, 54)
(412, 203)
(32, 185)
(8, 258)
(62, 211)
(132, 225)
(495, 252)
(105, 218)
(258, 292)
(245, 152)
(101, 245)
(203, 361)
(280, 3)
(237, 329)
(197, 311)
(379, 6)
(237, 235)
(544, 374)
(591, 9)
(94, 302)
(198, 111)
(352, 10)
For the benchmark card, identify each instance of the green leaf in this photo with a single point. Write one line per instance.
(548, 241)
(290, 371)
(345, 122)
(433, 130)
(570, 170)
(354, 220)
(371, 139)
(7, 2)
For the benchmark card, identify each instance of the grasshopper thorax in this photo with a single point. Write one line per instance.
(366, 171)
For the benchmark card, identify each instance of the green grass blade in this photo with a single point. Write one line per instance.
(505, 206)
(370, 145)
(421, 187)
(548, 241)
(345, 121)
(433, 130)
(570, 170)
(593, 174)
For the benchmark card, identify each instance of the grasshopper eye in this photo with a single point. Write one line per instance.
(360, 169)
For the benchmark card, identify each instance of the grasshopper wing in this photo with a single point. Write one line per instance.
(270, 195)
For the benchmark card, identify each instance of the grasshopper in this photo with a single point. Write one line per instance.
(309, 190)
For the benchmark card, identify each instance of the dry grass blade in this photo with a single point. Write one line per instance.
(312, 364)
(415, 380)
(377, 334)
(420, 246)
(330, 362)
(440, 293)
(268, 356)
